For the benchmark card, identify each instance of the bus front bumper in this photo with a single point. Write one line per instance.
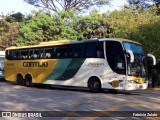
(136, 86)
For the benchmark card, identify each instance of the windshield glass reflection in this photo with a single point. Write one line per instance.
(135, 48)
(139, 67)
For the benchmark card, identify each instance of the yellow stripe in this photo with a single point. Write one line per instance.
(115, 108)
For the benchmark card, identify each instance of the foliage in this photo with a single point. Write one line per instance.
(63, 25)
(9, 32)
(143, 27)
(145, 4)
(70, 26)
(15, 17)
(36, 30)
(94, 25)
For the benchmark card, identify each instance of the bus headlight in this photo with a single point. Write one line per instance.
(130, 81)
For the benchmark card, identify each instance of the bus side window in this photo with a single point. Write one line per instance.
(37, 54)
(65, 52)
(48, 53)
(22, 54)
(70, 51)
(58, 53)
(34, 53)
(31, 54)
(77, 52)
(61, 52)
(11, 54)
(42, 55)
(91, 50)
(99, 50)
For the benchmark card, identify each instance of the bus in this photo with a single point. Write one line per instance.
(2, 54)
(108, 63)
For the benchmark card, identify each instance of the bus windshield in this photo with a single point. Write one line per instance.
(138, 67)
(135, 48)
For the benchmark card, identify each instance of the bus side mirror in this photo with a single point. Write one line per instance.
(131, 55)
(153, 57)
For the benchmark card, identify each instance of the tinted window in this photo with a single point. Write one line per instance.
(115, 57)
(69, 51)
(47, 53)
(78, 51)
(61, 51)
(11, 54)
(34, 53)
(23, 54)
(94, 50)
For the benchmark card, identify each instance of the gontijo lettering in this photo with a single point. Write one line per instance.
(35, 64)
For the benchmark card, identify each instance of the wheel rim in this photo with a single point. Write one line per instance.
(95, 85)
(20, 80)
(28, 81)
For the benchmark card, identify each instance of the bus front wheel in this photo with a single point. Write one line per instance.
(28, 81)
(94, 84)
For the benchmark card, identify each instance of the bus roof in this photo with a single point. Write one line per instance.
(64, 42)
(118, 39)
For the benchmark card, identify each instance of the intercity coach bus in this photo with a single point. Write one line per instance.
(2, 54)
(110, 63)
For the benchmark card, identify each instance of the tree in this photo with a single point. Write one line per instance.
(144, 3)
(66, 5)
(15, 17)
(9, 30)
(143, 27)
(36, 30)
(64, 25)
(94, 25)
(69, 25)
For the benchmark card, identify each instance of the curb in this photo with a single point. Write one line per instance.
(158, 89)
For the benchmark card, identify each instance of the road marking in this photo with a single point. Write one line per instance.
(88, 101)
(73, 111)
(114, 108)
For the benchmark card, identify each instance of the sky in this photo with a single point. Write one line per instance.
(9, 6)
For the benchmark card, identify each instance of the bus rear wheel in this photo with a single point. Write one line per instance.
(94, 85)
(20, 80)
(28, 81)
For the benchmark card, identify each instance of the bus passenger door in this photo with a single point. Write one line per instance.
(116, 61)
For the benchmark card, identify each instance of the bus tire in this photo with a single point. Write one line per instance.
(20, 80)
(28, 81)
(94, 84)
